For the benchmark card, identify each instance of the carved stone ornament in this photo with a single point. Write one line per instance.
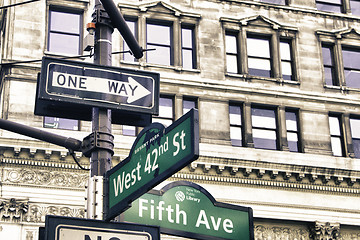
(326, 231)
(13, 210)
(263, 232)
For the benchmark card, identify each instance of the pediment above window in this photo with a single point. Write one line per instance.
(161, 8)
(258, 21)
(349, 33)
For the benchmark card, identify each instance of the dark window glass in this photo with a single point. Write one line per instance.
(189, 104)
(355, 133)
(280, 2)
(159, 37)
(129, 130)
(64, 32)
(166, 111)
(264, 128)
(292, 130)
(61, 123)
(259, 57)
(355, 7)
(329, 5)
(336, 136)
(231, 53)
(235, 112)
(351, 60)
(329, 68)
(287, 63)
(188, 47)
(127, 56)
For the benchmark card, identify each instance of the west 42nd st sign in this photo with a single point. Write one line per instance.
(157, 153)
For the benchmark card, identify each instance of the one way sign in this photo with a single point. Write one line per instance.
(69, 86)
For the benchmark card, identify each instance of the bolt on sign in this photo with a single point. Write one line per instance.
(67, 228)
(156, 154)
(188, 210)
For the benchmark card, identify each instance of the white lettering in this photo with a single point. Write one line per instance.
(202, 219)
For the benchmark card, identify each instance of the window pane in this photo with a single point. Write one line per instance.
(235, 115)
(230, 44)
(352, 78)
(355, 7)
(355, 127)
(61, 43)
(329, 6)
(291, 121)
(187, 58)
(61, 123)
(258, 47)
(166, 108)
(129, 130)
(264, 139)
(329, 76)
(235, 136)
(281, 2)
(259, 67)
(127, 56)
(351, 59)
(285, 51)
(160, 56)
(186, 37)
(334, 123)
(286, 68)
(65, 22)
(327, 56)
(336, 146)
(188, 105)
(293, 141)
(264, 118)
(356, 145)
(231, 64)
(158, 34)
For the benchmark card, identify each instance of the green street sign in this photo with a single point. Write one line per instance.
(156, 154)
(188, 210)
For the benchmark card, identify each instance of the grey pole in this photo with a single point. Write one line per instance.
(100, 159)
(101, 118)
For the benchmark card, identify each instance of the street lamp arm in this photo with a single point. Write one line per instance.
(67, 142)
(119, 22)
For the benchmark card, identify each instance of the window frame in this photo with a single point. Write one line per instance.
(63, 9)
(160, 12)
(348, 39)
(262, 27)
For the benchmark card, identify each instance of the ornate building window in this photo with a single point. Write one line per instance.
(167, 32)
(132, 24)
(260, 48)
(265, 127)
(61, 123)
(341, 57)
(189, 103)
(355, 134)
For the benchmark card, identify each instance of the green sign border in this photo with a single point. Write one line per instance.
(193, 235)
(111, 212)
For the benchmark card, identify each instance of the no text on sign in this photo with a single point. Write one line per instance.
(156, 154)
(66, 228)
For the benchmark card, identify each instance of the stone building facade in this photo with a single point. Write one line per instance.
(276, 84)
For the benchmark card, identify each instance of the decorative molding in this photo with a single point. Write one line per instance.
(43, 178)
(21, 211)
(325, 231)
(263, 232)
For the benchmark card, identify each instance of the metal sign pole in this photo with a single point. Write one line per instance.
(100, 160)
